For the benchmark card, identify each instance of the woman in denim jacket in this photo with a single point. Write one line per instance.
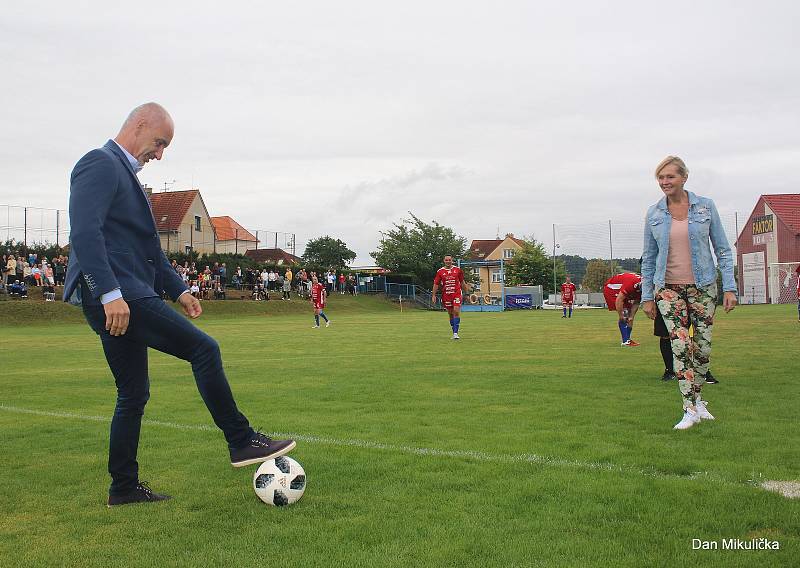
(679, 278)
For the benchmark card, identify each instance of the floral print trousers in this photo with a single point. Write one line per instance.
(683, 305)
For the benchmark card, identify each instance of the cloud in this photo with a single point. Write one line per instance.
(389, 187)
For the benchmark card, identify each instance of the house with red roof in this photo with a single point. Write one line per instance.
(232, 237)
(183, 222)
(768, 251)
(491, 251)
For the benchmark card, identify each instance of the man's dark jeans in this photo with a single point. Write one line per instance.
(155, 324)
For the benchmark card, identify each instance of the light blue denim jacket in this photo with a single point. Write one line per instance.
(704, 224)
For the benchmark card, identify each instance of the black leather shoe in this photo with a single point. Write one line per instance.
(142, 494)
(260, 449)
(668, 375)
(710, 379)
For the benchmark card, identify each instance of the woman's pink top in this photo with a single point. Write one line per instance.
(679, 257)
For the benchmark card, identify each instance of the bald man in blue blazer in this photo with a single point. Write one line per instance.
(118, 273)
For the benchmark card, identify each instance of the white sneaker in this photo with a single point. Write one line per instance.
(702, 411)
(327, 323)
(690, 418)
(455, 336)
(626, 343)
(314, 327)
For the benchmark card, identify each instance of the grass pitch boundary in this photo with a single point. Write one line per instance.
(549, 461)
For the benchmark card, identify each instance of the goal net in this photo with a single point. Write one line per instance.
(783, 282)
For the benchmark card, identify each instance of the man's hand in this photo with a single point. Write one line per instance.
(117, 316)
(729, 301)
(190, 305)
(649, 307)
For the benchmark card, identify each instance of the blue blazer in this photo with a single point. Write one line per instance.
(113, 238)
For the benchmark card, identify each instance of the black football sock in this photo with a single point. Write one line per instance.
(666, 354)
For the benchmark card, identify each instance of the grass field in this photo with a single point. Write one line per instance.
(534, 441)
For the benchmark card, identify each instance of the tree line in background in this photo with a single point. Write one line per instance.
(413, 250)
(416, 248)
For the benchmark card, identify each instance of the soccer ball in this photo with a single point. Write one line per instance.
(280, 482)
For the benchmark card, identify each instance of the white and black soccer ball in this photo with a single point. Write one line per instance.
(280, 482)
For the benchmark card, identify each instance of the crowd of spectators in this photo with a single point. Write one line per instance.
(211, 281)
(23, 271)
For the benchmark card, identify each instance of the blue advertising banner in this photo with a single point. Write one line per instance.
(519, 301)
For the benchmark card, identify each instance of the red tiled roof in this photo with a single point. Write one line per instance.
(787, 207)
(170, 207)
(483, 248)
(229, 230)
(272, 256)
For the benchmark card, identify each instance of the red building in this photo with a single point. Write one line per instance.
(768, 251)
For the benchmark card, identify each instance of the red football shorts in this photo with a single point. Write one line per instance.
(611, 300)
(450, 301)
(319, 306)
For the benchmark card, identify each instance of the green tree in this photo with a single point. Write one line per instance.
(532, 266)
(597, 272)
(417, 248)
(328, 252)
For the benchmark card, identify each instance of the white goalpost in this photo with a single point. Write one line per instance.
(783, 282)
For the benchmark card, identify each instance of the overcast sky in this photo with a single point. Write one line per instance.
(339, 117)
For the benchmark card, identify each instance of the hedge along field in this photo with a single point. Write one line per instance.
(532, 441)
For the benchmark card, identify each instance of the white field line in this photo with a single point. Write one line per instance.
(392, 448)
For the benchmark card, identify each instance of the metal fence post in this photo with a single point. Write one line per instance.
(555, 291)
(58, 214)
(25, 228)
(611, 246)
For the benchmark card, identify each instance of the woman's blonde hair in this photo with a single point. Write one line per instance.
(682, 169)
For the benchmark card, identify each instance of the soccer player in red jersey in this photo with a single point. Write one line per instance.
(623, 294)
(451, 279)
(318, 297)
(567, 296)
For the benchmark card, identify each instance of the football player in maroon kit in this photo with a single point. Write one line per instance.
(318, 296)
(451, 279)
(623, 294)
(567, 296)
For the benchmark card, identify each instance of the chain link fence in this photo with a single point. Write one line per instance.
(34, 226)
(200, 238)
(616, 242)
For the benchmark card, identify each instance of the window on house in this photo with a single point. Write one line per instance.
(508, 253)
(197, 223)
(497, 276)
(188, 249)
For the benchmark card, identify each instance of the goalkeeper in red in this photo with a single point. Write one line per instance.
(567, 296)
(451, 280)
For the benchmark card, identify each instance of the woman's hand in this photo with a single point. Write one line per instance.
(729, 301)
(649, 307)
